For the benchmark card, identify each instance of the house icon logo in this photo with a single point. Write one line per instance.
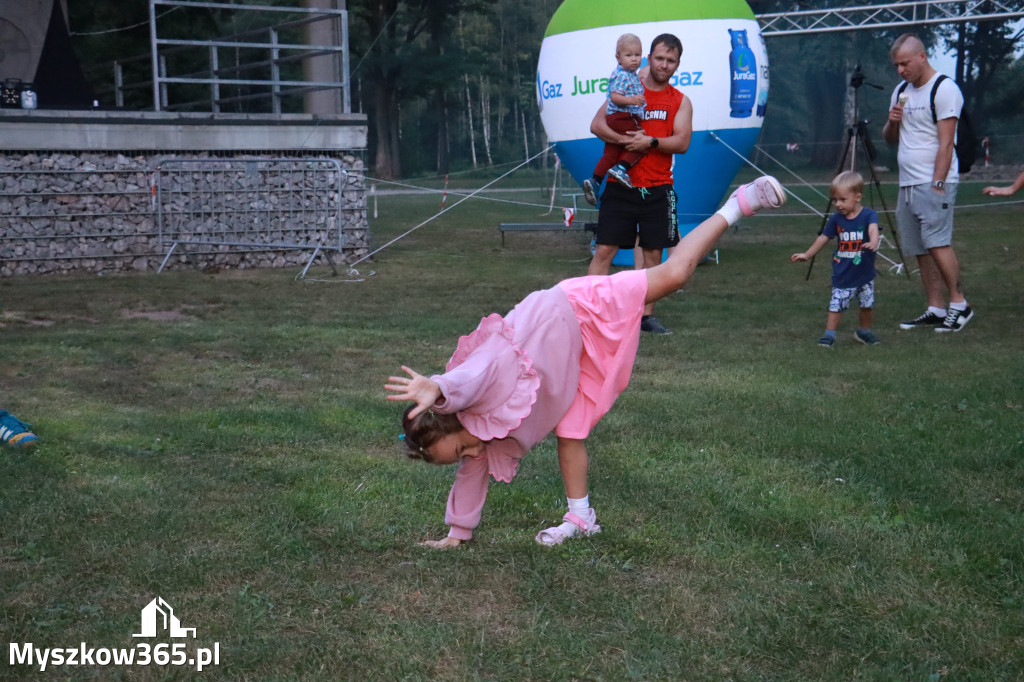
(158, 614)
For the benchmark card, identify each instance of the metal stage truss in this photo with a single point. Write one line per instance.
(885, 15)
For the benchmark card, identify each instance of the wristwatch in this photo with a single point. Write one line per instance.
(938, 184)
(654, 142)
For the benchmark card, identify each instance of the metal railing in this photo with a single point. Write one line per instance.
(260, 64)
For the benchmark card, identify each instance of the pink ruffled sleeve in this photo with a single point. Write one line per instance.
(490, 381)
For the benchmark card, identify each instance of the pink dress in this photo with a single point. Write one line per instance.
(557, 362)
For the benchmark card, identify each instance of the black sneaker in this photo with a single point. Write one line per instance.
(928, 319)
(652, 325)
(827, 341)
(955, 320)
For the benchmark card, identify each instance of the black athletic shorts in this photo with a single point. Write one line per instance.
(649, 211)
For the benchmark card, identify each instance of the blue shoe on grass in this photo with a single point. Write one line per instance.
(866, 337)
(15, 432)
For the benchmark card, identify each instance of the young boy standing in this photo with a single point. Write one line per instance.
(624, 113)
(853, 263)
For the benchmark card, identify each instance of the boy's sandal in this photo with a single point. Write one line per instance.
(571, 523)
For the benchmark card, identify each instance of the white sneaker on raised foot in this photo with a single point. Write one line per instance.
(765, 192)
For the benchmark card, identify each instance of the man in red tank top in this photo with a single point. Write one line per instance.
(646, 214)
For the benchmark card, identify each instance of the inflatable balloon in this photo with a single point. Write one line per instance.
(723, 70)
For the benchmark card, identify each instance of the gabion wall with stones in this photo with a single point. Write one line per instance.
(64, 213)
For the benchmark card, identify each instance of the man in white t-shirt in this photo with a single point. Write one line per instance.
(929, 175)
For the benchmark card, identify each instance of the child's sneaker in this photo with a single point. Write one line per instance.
(590, 189)
(827, 341)
(955, 320)
(765, 192)
(15, 432)
(867, 338)
(652, 325)
(621, 175)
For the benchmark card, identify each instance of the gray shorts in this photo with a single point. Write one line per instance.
(925, 218)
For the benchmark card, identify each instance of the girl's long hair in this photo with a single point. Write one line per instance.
(425, 429)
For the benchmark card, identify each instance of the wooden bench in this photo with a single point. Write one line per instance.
(543, 227)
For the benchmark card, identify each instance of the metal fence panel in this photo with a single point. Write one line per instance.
(251, 204)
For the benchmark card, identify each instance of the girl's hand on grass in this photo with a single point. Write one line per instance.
(797, 257)
(441, 544)
(998, 191)
(416, 388)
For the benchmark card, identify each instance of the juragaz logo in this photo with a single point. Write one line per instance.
(743, 72)
(590, 86)
(157, 618)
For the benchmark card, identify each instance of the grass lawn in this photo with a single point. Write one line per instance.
(771, 510)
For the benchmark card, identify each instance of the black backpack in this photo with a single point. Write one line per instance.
(966, 140)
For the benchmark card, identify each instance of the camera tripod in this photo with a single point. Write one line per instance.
(857, 133)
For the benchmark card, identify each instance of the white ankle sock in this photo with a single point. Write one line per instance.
(731, 210)
(579, 507)
(941, 312)
(961, 306)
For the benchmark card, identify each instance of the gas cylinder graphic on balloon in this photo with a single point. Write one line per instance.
(720, 40)
(743, 68)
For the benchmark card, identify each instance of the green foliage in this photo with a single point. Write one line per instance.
(771, 510)
(418, 68)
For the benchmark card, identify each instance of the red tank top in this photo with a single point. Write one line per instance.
(659, 116)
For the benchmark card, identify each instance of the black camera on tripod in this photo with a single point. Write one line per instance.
(857, 79)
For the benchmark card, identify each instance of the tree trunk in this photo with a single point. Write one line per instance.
(526, 140)
(485, 118)
(443, 148)
(961, 53)
(384, 119)
(469, 114)
(385, 112)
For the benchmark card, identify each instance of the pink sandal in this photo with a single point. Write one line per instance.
(571, 524)
(765, 192)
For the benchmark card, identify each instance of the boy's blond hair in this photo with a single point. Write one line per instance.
(627, 39)
(848, 181)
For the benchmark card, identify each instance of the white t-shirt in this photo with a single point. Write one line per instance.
(919, 136)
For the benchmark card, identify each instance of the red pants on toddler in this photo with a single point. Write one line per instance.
(621, 122)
